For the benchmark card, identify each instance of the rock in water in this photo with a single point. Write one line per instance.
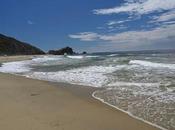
(63, 51)
(84, 52)
(11, 46)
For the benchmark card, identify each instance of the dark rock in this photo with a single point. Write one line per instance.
(11, 46)
(66, 50)
(84, 53)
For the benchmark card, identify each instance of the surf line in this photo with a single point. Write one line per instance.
(128, 113)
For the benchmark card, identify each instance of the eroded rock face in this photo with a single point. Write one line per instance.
(11, 46)
(66, 50)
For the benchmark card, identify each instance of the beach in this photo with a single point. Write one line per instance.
(28, 104)
(93, 65)
(15, 58)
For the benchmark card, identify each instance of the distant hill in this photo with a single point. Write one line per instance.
(11, 46)
(66, 50)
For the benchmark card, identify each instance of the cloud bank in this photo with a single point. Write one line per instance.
(161, 33)
(161, 24)
(139, 7)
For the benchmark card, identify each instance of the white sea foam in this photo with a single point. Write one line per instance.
(136, 81)
(133, 84)
(92, 56)
(82, 56)
(24, 66)
(111, 55)
(152, 64)
(95, 76)
(127, 112)
(76, 57)
(89, 76)
(15, 67)
(46, 58)
(171, 89)
(136, 88)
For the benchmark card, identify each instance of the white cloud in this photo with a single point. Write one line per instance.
(85, 36)
(30, 22)
(115, 28)
(132, 38)
(165, 17)
(169, 22)
(114, 22)
(100, 28)
(139, 7)
(163, 32)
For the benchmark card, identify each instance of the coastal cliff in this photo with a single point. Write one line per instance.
(11, 46)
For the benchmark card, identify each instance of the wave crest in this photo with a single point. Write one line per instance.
(152, 64)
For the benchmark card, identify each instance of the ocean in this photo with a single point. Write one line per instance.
(141, 84)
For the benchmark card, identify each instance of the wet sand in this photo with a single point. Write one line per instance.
(15, 58)
(27, 104)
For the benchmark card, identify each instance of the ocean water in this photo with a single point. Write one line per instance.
(139, 83)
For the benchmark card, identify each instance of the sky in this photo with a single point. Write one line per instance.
(91, 25)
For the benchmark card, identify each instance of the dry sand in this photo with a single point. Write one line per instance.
(27, 104)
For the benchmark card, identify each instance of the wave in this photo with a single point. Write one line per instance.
(112, 55)
(97, 76)
(152, 64)
(92, 56)
(46, 58)
(81, 57)
(76, 57)
(15, 67)
(25, 66)
(88, 76)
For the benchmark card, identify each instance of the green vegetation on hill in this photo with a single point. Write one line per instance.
(11, 46)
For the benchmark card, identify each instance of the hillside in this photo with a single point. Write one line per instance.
(11, 46)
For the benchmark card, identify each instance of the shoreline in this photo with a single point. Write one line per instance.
(130, 114)
(78, 92)
(4, 59)
(89, 91)
(59, 101)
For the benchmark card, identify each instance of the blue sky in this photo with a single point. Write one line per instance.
(91, 25)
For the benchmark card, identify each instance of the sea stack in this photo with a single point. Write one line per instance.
(63, 51)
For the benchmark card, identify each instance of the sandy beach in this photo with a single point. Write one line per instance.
(28, 104)
(15, 58)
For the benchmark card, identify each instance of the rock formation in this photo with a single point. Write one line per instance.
(66, 50)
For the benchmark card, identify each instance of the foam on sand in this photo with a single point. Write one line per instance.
(130, 114)
(133, 84)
